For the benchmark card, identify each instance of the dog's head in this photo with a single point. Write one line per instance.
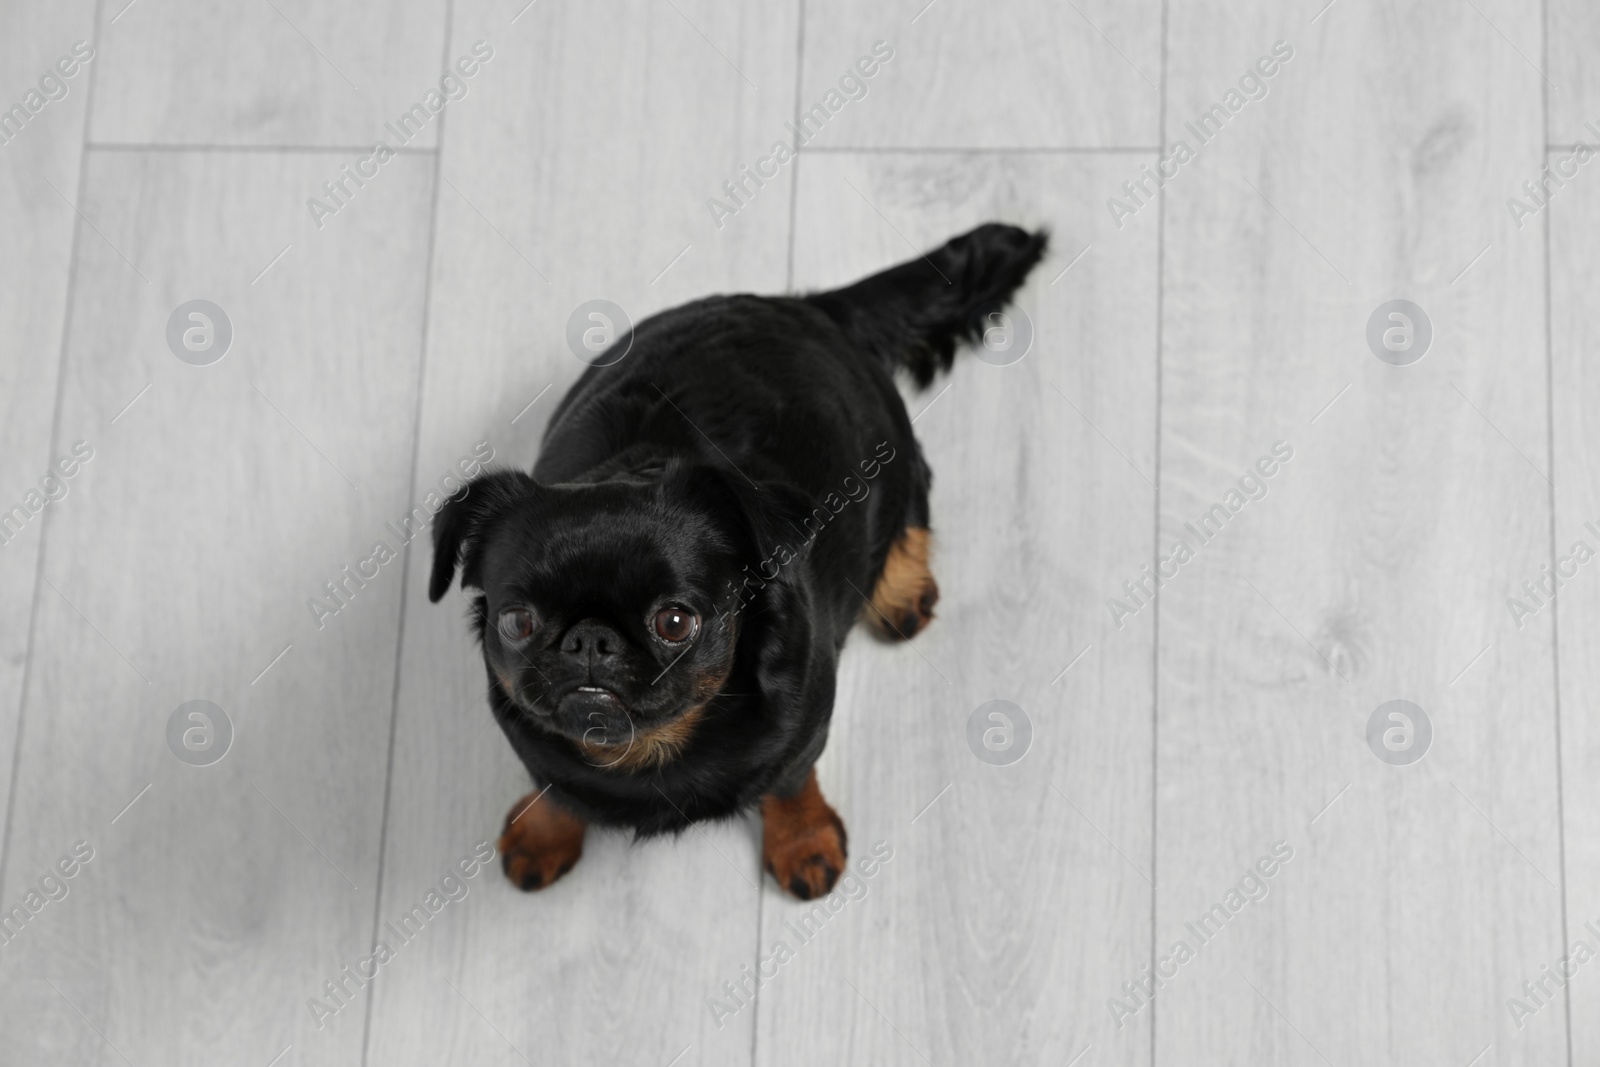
(610, 611)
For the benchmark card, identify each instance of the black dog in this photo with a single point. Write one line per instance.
(665, 597)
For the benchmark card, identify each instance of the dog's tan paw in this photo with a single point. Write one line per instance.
(903, 600)
(540, 843)
(803, 841)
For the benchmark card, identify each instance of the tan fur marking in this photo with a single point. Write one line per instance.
(903, 599)
(649, 747)
(661, 744)
(803, 842)
(540, 843)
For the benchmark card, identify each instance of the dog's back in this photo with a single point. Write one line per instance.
(801, 390)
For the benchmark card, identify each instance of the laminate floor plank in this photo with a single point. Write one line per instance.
(216, 900)
(578, 170)
(1575, 615)
(1015, 893)
(1017, 74)
(1571, 36)
(288, 73)
(1370, 566)
(387, 333)
(39, 165)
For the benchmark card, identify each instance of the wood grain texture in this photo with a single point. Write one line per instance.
(604, 153)
(212, 510)
(1001, 75)
(1575, 382)
(1004, 917)
(1377, 566)
(1571, 38)
(280, 72)
(579, 170)
(34, 276)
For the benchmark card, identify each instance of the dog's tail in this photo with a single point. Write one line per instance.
(913, 315)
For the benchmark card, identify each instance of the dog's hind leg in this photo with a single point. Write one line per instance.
(902, 601)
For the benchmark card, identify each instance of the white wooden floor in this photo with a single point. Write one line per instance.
(374, 348)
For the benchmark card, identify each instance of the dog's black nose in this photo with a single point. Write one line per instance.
(591, 641)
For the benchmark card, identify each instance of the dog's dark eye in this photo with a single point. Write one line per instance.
(676, 624)
(516, 624)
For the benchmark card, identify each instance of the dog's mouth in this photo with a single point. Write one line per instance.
(596, 720)
(591, 714)
(577, 709)
(587, 699)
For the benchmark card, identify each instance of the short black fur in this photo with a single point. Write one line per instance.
(748, 464)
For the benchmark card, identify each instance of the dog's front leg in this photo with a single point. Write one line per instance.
(541, 842)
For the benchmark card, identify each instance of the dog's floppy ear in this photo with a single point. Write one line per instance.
(459, 530)
(773, 512)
